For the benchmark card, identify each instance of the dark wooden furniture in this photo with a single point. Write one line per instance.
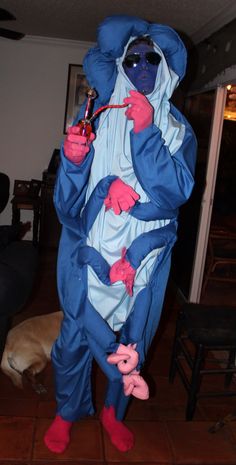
(204, 330)
(50, 228)
(221, 256)
(18, 264)
(26, 197)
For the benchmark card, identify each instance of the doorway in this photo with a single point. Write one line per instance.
(205, 112)
(219, 277)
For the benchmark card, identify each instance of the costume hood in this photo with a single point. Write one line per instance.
(114, 34)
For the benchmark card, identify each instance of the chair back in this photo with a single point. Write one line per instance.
(4, 191)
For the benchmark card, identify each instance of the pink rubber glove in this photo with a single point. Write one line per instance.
(126, 358)
(123, 271)
(135, 384)
(76, 147)
(140, 110)
(121, 197)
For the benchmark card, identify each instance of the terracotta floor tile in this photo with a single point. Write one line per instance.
(16, 437)
(46, 409)
(86, 442)
(18, 407)
(159, 363)
(232, 427)
(98, 408)
(213, 382)
(14, 462)
(6, 386)
(193, 444)
(168, 403)
(48, 379)
(99, 385)
(8, 390)
(57, 461)
(128, 463)
(142, 410)
(151, 445)
(216, 408)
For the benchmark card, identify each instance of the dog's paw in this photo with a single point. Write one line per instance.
(40, 389)
(30, 378)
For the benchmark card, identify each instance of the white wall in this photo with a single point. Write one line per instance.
(33, 82)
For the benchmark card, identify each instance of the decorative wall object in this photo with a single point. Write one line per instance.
(76, 92)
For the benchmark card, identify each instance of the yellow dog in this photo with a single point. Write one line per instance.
(28, 349)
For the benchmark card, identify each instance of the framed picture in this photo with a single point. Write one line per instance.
(76, 93)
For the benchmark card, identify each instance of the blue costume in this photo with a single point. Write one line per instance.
(158, 163)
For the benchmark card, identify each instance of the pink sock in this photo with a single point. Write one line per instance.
(57, 436)
(119, 434)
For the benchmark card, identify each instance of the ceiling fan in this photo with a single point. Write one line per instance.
(8, 33)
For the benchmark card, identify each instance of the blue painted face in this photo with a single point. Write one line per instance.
(140, 65)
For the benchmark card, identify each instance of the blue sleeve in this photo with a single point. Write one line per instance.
(146, 242)
(71, 184)
(167, 179)
(70, 187)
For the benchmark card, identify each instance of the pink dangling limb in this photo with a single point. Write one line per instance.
(126, 358)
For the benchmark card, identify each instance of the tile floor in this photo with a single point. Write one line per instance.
(162, 434)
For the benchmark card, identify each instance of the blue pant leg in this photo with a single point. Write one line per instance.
(72, 361)
(115, 397)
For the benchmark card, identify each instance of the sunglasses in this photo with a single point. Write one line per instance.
(132, 60)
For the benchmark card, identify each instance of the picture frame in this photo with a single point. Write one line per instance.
(75, 94)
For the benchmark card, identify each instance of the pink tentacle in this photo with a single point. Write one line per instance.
(135, 384)
(115, 359)
(125, 357)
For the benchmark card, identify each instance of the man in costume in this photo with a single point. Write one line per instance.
(117, 196)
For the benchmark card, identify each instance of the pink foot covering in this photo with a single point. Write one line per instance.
(57, 436)
(119, 434)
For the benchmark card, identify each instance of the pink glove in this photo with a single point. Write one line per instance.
(123, 271)
(76, 147)
(121, 197)
(126, 358)
(139, 110)
(134, 384)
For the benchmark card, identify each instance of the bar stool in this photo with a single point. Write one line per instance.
(201, 329)
(26, 197)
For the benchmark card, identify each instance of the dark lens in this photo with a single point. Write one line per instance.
(153, 58)
(132, 60)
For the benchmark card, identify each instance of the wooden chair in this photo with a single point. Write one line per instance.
(26, 197)
(221, 257)
(201, 331)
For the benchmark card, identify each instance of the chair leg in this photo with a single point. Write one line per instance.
(208, 272)
(195, 383)
(176, 348)
(231, 364)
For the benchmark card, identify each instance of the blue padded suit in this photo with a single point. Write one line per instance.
(158, 163)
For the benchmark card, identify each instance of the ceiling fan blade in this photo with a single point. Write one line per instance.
(6, 15)
(8, 34)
